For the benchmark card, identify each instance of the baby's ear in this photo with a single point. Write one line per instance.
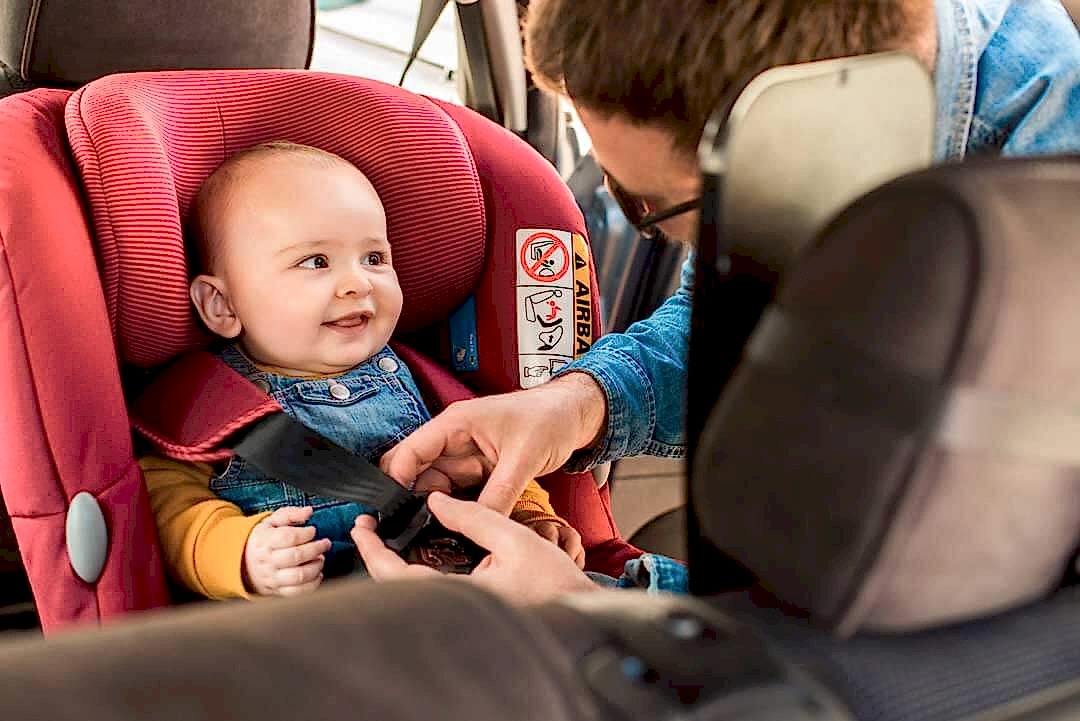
(211, 299)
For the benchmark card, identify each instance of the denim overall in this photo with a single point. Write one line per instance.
(366, 410)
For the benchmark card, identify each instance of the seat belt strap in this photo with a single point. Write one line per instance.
(287, 450)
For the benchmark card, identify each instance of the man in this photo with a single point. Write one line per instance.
(644, 78)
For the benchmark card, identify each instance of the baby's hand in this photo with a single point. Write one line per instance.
(281, 559)
(562, 536)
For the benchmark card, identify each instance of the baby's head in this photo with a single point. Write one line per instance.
(294, 259)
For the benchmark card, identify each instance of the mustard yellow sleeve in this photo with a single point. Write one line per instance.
(535, 505)
(202, 536)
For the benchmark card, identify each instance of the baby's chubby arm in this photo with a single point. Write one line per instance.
(207, 542)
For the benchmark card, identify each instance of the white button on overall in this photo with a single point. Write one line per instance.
(263, 385)
(388, 364)
(339, 391)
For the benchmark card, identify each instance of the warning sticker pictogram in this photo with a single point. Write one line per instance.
(544, 257)
(553, 305)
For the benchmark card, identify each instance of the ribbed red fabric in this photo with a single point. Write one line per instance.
(144, 142)
(63, 426)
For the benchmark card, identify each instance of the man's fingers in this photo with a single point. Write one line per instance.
(405, 461)
(507, 481)
(299, 575)
(287, 536)
(488, 528)
(431, 480)
(289, 516)
(466, 470)
(570, 541)
(382, 563)
(299, 555)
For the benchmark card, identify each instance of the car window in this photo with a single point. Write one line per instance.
(372, 38)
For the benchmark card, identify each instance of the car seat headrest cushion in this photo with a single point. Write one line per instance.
(143, 144)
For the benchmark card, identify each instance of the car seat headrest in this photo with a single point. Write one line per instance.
(70, 42)
(143, 143)
(897, 447)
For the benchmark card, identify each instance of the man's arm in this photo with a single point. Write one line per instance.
(1028, 95)
(642, 373)
(625, 396)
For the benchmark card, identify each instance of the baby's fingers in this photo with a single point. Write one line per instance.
(547, 530)
(299, 576)
(294, 556)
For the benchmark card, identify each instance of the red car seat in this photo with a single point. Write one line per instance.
(94, 275)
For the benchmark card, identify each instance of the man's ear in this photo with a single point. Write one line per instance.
(211, 299)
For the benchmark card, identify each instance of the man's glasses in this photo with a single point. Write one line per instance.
(637, 211)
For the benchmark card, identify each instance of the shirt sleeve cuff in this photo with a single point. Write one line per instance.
(629, 400)
(221, 576)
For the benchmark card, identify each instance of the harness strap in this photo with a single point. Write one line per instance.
(200, 409)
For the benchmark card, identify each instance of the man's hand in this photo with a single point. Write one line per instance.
(562, 536)
(508, 439)
(281, 559)
(522, 567)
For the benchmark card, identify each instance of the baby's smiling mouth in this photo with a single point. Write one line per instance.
(351, 320)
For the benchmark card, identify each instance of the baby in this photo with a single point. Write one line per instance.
(298, 277)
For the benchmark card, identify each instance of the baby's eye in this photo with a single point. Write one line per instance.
(375, 258)
(315, 262)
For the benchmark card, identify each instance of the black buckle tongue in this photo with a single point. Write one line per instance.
(291, 452)
(418, 537)
(401, 529)
(436, 546)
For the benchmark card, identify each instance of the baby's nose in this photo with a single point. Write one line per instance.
(355, 283)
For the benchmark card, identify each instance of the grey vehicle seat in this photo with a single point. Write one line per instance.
(893, 448)
(665, 534)
(414, 652)
(67, 43)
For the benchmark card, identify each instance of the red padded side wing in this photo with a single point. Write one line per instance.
(192, 406)
(64, 427)
(522, 190)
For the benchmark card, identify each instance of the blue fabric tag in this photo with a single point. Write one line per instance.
(463, 353)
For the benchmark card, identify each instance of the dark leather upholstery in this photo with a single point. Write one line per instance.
(67, 43)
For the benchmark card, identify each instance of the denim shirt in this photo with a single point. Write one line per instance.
(366, 410)
(1007, 78)
(1007, 82)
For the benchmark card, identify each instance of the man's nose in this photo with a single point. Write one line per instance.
(683, 228)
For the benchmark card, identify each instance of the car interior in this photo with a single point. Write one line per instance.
(845, 413)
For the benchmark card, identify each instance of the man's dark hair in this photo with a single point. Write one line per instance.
(673, 62)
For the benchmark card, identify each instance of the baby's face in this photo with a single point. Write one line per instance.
(303, 253)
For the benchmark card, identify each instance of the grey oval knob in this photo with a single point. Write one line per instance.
(87, 537)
